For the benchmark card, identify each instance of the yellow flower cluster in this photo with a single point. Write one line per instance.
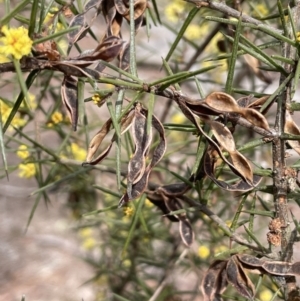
(265, 295)
(56, 117)
(49, 19)
(174, 10)
(128, 211)
(203, 252)
(78, 152)
(23, 152)
(193, 32)
(5, 111)
(15, 42)
(260, 10)
(148, 204)
(178, 118)
(27, 170)
(31, 101)
(98, 100)
(88, 241)
(298, 36)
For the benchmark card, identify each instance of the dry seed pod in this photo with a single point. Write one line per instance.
(225, 138)
(212, 280)
(96, 142)
(199, 107)
(98, 138)
(70, 99)
(243, 166)
(256, 118)
(258, 103)
(238, 278)
(142, 140)
(121, 7)
(139, 9)
(124, 57)
(160, 203)
(186, 231)
(185, 227)
(243, 170)
(278, 268)
(70, 69)
(291, 127)
(296, 269)
(250, 260)
(225, 103)
(160, 149)
(139, 187)
(77, 34)
(244, 101)
(171, 190)
(92, 4)
(241, 185)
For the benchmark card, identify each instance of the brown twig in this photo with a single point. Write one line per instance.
(227, 10)
(280, 185)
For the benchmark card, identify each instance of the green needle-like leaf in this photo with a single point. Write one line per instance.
(20, 7)
(172, 79)
(33, 17)
(136, 217)
(232, 61)
(29, 81)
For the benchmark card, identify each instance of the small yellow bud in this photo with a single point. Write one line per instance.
(203, 252)
(128, 211)
(265, 295)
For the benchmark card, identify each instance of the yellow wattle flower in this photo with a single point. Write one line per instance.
(203, 252)
(56, 117)
(5, 111)
(174, 10)
(23, 152)
(128, 211)
(193, 32)
(265, 295)
(15, 42)
(89, 243)
(78, 152)
(27, 170)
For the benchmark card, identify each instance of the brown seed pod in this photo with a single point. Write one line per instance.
(291, 127)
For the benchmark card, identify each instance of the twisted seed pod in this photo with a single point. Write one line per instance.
(291, 127)
(225, 103)
(214, 280)
(142, 140)
(237, 277)
(225, 139)
(70, 98)
(99, 137)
